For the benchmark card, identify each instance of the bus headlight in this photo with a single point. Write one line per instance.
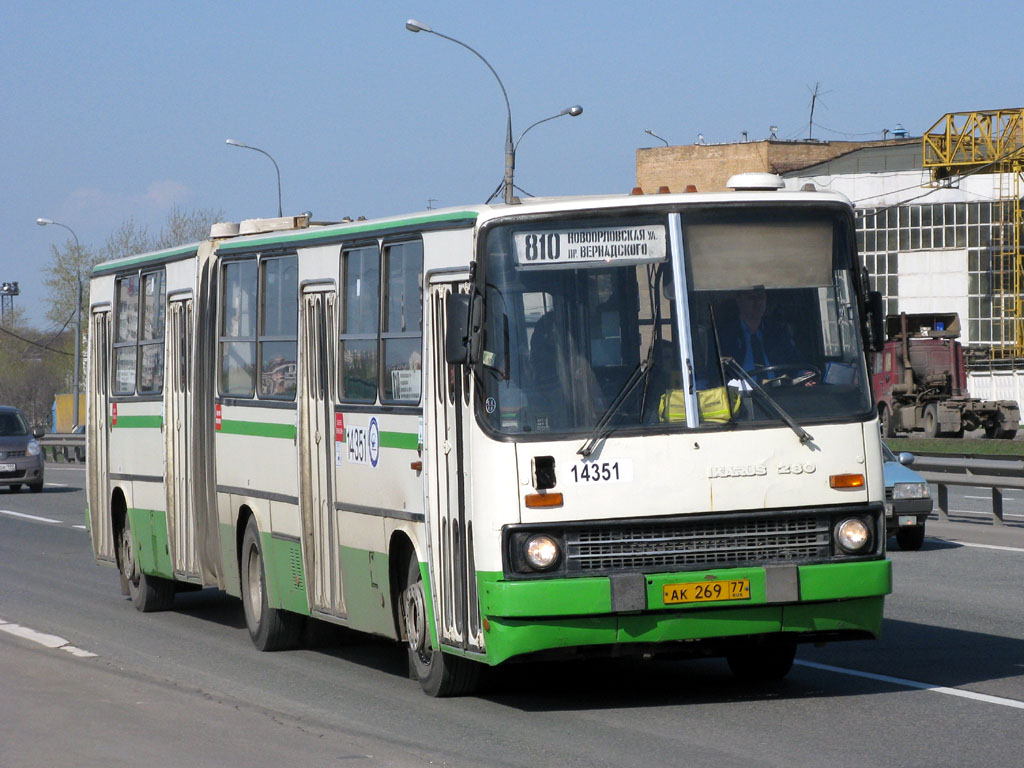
(853, 535)
(542, 552)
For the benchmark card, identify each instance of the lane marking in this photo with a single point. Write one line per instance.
(989, 546)
(43, 639)
(29, 517)
(914, 684)
(80, 527)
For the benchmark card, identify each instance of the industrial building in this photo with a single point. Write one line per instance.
(938, 224)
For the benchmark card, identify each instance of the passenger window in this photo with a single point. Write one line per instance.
(126, 334)
(279, 319)
(360, 280)
(402, 334)
(238, 329)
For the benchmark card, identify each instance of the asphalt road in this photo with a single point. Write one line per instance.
(112, 687)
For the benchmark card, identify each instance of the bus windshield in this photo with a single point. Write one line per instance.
(587, 322)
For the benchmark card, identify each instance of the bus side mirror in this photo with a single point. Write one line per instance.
(459, 324)
(876, 321)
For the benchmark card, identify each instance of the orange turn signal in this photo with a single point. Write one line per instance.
(542, 500)
(846, 481)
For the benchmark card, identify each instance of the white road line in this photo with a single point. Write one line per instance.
(80, 527)
(989, 546)
(29, 517)
(45, 640)
(914, 684)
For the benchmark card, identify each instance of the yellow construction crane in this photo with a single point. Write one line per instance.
(990, 142)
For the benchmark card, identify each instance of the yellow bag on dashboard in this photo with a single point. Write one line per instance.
(716, 405)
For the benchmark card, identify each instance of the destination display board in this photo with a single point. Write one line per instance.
(591, 245)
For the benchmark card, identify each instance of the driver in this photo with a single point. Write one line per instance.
(752, 338)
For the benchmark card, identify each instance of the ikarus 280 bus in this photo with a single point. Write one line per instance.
(564, 427)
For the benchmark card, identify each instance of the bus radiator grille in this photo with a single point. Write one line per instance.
(706, 544)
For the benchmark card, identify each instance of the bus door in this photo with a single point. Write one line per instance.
(98, 436)
(320, 534)
(450, 520)
(178, 421)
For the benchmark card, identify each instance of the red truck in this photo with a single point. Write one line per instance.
(921, 385)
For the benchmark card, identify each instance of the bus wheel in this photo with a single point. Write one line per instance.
(762, 661)
(440, 674)
(148, 593)
(271, 629)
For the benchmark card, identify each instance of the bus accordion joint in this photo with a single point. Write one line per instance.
(543, 500)
(846, 481)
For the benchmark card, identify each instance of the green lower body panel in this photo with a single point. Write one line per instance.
(829, 600)
(149, 533)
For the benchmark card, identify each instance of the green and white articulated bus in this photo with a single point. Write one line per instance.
(503, 432)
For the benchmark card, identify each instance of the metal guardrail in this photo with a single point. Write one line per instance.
(66, 448)
(994, 474)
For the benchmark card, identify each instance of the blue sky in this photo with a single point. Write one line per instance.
(112, 110)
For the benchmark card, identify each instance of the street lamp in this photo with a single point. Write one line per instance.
(234, 143)
(510, 153)
(78, 318)
(652, 133)
(574, 111)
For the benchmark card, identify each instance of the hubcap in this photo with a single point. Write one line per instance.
(416, 619)
(254, 583)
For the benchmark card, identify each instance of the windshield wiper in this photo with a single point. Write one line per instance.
(779, 410)
(639, 373)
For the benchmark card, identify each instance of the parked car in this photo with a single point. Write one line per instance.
(908, 502)
(21, 456)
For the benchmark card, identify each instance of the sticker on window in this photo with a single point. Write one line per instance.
(602, 245)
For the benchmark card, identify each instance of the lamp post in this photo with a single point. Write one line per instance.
(574, 111)
(78, 319)
(652, 133)
(234, 143)
(510, 152)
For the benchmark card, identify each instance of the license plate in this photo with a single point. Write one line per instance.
(706, 591)
(8, 467)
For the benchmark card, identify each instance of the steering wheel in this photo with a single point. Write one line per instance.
(790, 374)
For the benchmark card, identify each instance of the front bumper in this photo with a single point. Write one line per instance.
(808, 602)
(26, 470)
(905, 513)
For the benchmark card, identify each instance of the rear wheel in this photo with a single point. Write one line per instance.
(885, 424)
(910, 538)
(14, 487)
(762, 661)
(931, 420)
(271, 629)
(148, 593)
(440, 674)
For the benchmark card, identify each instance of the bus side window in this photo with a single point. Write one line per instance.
(126, 334)
(402, 334)
(151, 336)
(357, 348)
(279, 318)
(238, 329)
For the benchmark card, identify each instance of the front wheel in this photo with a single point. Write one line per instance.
(885, 422)
(440, 674)
(148, 593)
(762, 661)
(271, 629)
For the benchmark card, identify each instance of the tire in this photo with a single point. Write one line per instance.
(910, 538)
(35, 487)
(931, 420)
(885, 424)
(440, 674)
(762, 661)
(271, 629)
(1008, 434)
(14, 487)
(148, 593)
